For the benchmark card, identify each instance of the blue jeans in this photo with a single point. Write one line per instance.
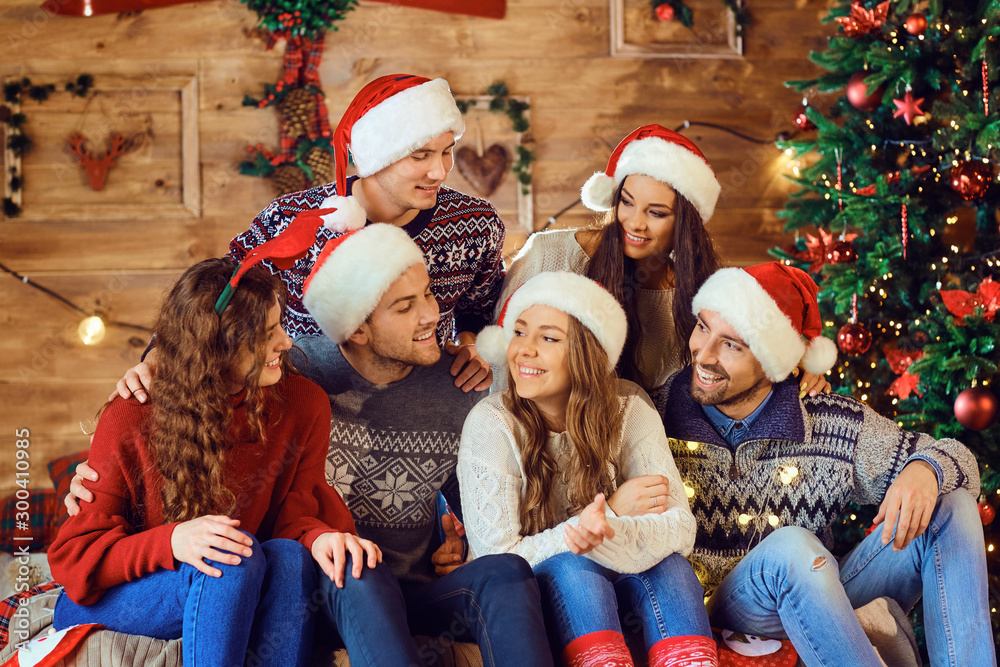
(791, 586)
(492, 600)
(580, 597)
(256, 613)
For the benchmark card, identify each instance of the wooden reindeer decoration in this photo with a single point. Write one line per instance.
(96, 168)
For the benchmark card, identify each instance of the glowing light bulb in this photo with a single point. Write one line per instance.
(91, 330)
(689, 491)
(773, 520)
(744, 519)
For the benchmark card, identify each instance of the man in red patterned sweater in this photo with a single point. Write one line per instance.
(401, 131)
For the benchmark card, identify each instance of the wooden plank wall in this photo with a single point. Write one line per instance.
(554, 51)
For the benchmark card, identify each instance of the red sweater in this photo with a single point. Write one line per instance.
(281, 491)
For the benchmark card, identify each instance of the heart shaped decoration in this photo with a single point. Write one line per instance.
(483, 173)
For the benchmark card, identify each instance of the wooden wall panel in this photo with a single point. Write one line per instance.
(554, 51)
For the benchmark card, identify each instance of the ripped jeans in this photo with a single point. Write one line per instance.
(790, 586)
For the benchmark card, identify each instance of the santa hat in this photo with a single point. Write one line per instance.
(571, 293)
(773, 308)
(655, 151)
(390, 118)
(353, 272)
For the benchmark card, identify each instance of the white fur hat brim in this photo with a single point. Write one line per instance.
(741, 301)
(348, 216)
(665, 161)
(347, 283)
(403, 123)
(571, 293)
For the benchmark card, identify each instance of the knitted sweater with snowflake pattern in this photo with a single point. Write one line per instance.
(461, 238)
(840, 449)
(492, 478)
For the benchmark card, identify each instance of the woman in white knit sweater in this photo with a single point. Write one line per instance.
(569, 467)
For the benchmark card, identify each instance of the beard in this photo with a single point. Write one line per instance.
(397, 354)
(722, 396)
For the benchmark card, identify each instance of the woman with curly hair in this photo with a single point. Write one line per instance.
(212, 496)
(537, 462)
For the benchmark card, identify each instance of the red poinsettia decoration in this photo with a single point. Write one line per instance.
(899, 362)
(862, 21)
(817, 248)
(961, 303)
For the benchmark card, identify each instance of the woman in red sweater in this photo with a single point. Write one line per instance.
(212, 495)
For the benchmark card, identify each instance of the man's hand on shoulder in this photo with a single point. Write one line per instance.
(469, 369)
(137, 379)
(911, 498)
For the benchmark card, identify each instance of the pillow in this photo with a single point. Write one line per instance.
(43, 508)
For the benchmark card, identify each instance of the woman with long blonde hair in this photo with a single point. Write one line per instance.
(569, 467)
(212, 516)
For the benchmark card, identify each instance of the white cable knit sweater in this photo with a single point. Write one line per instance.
(558, 250)
(491, 478)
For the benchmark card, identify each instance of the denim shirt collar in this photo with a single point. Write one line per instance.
(734, 431)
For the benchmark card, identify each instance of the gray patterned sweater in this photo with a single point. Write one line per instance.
(803, 462)
(392, 448)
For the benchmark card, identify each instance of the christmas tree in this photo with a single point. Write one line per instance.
(897, 220)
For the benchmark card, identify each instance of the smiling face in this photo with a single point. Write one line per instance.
(538, 358)
(413, 182)
(646, 214)
(277, 343)
(401, 329)
(726, 373)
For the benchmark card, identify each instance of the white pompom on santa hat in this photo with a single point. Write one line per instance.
(352, 273)
(655, 151)
(387, 120)
(773, 308)
(571, 293)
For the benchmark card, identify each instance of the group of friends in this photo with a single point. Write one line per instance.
(309, 447)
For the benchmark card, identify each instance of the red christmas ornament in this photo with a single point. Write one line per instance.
(916, 24)
(857, 93)
(802, 120)
(853, 339)
(665, 12)
(842, 253)
(976, 408)
(986, 513)
(971, 180)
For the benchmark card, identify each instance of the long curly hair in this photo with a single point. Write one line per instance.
(197, 353)
(594, 423)
(691, 261)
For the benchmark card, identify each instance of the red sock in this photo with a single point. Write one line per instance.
(598, 649)
(686, 651)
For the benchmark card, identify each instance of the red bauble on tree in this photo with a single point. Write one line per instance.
(971, 179)
(842, 253)
(986, 512)
(665, 12)
(802, 120)
(857, 93)
(854, 339)
(916, 24)
(976, 408)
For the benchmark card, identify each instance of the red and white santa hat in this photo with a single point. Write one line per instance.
(353, 272)
(571, 293)
(387, 120)
(655, 151)
(773, 308)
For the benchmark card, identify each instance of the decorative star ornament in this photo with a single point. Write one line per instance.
(817, 248)
(900, 361)
(908, 107)
(961, 303)
(862, 21)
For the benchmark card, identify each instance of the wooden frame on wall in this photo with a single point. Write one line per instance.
(636, 34)
(134, 86)
(510, 197)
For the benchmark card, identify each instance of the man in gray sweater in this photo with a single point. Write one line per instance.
(768, 473)
(397, 423)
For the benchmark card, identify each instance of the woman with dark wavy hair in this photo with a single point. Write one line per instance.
(537, 462)
(212, 505)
